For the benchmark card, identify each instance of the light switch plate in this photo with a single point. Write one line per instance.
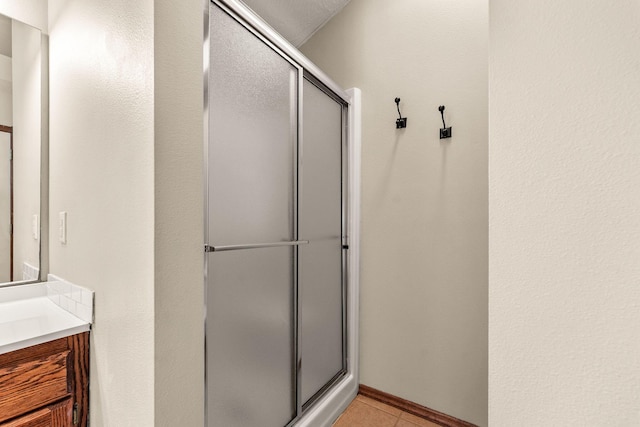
(63, 227)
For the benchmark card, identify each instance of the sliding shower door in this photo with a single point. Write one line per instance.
(275, 232)
(320, 222)
(251, 212)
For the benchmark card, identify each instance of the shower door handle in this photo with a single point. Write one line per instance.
(224, 248)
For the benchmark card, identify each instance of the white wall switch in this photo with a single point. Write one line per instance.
(63, 228)
(35, 227)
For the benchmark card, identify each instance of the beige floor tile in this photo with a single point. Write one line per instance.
(405, 423)
(360, 414)
(415, 421)
(383, 407)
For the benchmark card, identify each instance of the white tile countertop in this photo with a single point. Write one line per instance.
(33, 314)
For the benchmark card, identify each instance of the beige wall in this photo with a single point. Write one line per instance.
(102, 175)
(424, 201)
(179, 234)
(564, 224)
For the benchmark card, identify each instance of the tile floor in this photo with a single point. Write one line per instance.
(366, 412)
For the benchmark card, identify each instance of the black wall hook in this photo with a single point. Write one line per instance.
(445, 132)
(402, 121)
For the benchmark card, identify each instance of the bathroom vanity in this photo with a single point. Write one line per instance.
(44, 355)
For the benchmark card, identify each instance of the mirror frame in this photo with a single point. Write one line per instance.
(43, 223)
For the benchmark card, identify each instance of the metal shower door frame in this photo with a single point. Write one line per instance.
(306, 70)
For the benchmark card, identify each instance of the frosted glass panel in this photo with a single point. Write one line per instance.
(252, 104)
(320, 222)
(249, 338)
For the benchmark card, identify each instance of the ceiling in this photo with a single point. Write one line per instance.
(296, 20)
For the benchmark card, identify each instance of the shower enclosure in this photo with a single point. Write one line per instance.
(281, 230)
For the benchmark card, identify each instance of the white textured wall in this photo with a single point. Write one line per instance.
(564, 181)
(102, 175)
(27, 121)
(424, 202)
(179, 234)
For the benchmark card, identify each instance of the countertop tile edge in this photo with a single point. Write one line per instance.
(75, 299)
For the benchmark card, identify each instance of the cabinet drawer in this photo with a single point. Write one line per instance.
(32, 383)
(58, 415)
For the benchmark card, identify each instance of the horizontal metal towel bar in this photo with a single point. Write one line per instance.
(208, 248)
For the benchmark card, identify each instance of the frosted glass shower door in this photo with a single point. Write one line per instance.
(252, 158)
(320, 262)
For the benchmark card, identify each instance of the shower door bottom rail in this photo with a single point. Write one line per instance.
(224, 248)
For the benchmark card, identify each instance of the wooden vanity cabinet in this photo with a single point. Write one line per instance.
(46, 385)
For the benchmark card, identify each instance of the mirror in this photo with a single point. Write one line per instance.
(22, 127)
